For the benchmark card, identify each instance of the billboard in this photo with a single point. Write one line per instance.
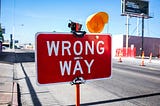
(135, 7)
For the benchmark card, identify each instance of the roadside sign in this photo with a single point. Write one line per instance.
(61, 57)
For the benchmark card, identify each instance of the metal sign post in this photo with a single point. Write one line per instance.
(77, 81)
(77, 94)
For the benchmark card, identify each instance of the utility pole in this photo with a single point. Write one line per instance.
(138, 26)
(142, 32)
(13, 28)
(0, 11)
(127, 33)
(1, 36)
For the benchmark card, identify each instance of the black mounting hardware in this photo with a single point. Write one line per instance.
(79, 34)
(78, 80)
(76, 29)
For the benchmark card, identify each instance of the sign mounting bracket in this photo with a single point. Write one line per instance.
(79, 34)
(78, 80)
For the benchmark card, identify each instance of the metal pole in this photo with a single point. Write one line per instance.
(0, 11)
(142, 33)
(127, 33)
(13, 30)
(137, 26)
(77, 94)
(77, 81)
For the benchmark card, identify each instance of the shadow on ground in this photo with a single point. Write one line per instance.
(120, 99)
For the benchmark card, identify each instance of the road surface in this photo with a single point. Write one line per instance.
(130, 85)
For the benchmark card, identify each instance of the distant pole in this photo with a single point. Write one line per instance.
(137, 26)
(0, 11)
(127, 33)
(13, 29)
(142, 33)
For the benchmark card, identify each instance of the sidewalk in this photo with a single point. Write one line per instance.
(8, 88)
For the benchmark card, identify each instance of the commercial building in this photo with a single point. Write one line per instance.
(150, 45)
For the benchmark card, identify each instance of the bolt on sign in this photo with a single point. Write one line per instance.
(61, 57)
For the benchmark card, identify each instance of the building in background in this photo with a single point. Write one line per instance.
(151, 45)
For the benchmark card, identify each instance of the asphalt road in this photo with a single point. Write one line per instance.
(130, 85)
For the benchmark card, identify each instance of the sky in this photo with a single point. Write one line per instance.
(25, 18)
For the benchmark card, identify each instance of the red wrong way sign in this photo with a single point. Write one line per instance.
(61, 57)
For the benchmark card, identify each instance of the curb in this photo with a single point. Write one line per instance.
(14, 95)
